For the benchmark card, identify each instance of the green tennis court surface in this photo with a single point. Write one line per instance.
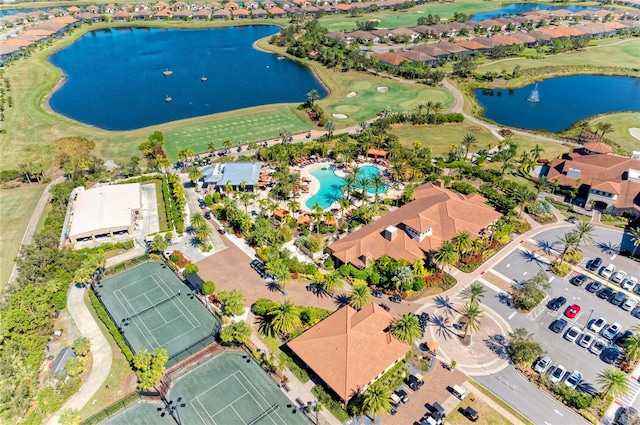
(154, 309)
(226, 390)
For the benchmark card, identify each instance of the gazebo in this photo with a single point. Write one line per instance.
(304, 219)
(280, 214)
(377, 153)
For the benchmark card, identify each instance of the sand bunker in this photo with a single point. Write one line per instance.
(383, 89)
(352, 94)
(339, 116)
(635, 132)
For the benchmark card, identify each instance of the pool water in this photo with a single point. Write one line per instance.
(330, 185)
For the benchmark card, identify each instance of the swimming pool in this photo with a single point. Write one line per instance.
(330, 185)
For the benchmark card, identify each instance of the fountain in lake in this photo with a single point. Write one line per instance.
(534, 96)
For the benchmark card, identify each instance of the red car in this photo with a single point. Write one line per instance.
(572, 311)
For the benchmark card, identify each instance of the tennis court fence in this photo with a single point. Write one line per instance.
(187, 364)
(111, 410)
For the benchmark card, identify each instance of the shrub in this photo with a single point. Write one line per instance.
(263, 306)
(462, 187)
(560, 269)
(310, 316)
(113, 330)
(573, 257)
(208, 287)
(190, 269)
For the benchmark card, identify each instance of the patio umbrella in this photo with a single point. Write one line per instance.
(432, 345)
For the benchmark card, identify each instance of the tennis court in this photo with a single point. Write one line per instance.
(154, 309)
(229, 389)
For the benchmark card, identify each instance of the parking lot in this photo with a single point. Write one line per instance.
(522, 264)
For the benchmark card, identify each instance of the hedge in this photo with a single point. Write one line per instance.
(113, 330)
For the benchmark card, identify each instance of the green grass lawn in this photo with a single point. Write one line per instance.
(441, 137)
(16, 207)
(486, 415)
(622, 122)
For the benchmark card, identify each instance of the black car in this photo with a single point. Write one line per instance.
(378, 293)
(471, 414)
(558, 325)
(618, 298)
(594, 264)
(424, 316)
(612, 356)
(556, 303)
(578, 280)
(593, 286)
(207, 215)
(384, 307)
(605, 293)
(623, 338)
(403, 396)
(395, 299)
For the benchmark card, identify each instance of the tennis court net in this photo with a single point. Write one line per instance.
(166, 300)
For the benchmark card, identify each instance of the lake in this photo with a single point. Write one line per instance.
(563, 101)
(521, 8)
(115, 77)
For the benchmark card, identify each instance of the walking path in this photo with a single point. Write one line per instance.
(100, 352)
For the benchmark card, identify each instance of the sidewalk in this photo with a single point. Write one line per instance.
(297, 390)
(100, 351)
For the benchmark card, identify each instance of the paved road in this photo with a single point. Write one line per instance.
(100, 350)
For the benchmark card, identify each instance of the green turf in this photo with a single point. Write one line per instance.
(144, 302)
(621, 123)
(16, 207)
(141, 413)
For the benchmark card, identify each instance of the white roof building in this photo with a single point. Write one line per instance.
(105, 210)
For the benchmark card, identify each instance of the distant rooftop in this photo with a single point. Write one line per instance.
(233, 173)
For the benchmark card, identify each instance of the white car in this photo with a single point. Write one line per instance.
(572, 334)
(557, 373)
(619, 276)
(586, 340)
(630, 283)
(598, 324)
(573, 380)
(607, 271)
(542, 364)
(598, 346)
(629, 304)
(611, 331)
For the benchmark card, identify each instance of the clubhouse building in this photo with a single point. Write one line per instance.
(416, 230)
(238, 175)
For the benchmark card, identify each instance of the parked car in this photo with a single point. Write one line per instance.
(619, 276)
(573, 380)
(403, 395)
(557, 373)
(556, 303)
(607, 271)
(629, 304)
(594, 264)
(618, 298)
(471, 414)
(593, 286)
(558, 325)
(630, 283)
(578, 280)
(612, 356)
(384, 307)
(572, 311)
(586, 340)
(395, 400)
(597, 346)
(636, 312)
(572, 334)
(598, 325)
(542, 364)
(415, 381)
(377, 293)
(622, 339)
(626, 416)
(395, 299)
(605, 293)
(611, 331)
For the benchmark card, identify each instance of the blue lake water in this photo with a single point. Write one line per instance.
(115, 77)
(331, 185)
(518, 8)
(563, 101)
(15, 11)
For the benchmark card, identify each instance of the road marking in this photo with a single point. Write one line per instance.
(551, 279)
(508, 265)
(632, 394)
(524, 273)
(558, 412)
(512, 314)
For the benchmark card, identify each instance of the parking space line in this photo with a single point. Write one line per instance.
(632, 394)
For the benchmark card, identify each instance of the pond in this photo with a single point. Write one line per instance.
(521, 8)
(115, 78)
(563, 101)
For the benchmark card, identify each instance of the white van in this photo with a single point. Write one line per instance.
(459, 391)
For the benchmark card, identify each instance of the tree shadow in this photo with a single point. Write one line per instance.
(546, 246)
(505, 299)
(273, 286)
(445, 303)
(532, 257)
(444, 329)
(498, 345)
(608, 248)
(341, 300)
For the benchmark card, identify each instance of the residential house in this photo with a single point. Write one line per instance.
(259, 13)
(350, 349)
(277, 12)
(390, 58)
(402, 35)
(241, 14)
(205, 14)
(121, 15)
(417, 229)
(183, 14)
(88, 17)
(163, 14)
(142, 15)
(417, 56)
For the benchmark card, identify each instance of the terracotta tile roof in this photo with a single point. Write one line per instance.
(121, 14)
(445, 212)
(614, 25)
(471, 44)
(164, 13)
(17, 42)
(38, 32)
(277, 11)
(525, 38)
(362, 35)
(390, 58)
(344, 7)
(431, 49)
(241, 12)
(450, 47)
(506, 40)
(598, 147)
(604, 186)
(230, 5)
(594, 168)
(629, 196)
(303, 219)
(63, 19)
(74, 9)
(416, 56)
(350, 349)
(403, 32)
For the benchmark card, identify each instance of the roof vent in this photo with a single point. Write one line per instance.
(574, 173)
(390, 233)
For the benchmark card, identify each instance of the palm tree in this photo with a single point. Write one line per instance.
(569, 242)
(245, 199)
(284, 318)
(462, 242)
(473, 314)
(332, 282)
(312, 96)
(285, 135)
(584, 230)
(227, 143)
(604, 127)
(211, 147)
(542, 184)
(377, 399)
(613, 382)
(365, 184)
(197, 220)
(330, 127)
(350, 181)
(634, 232)
(203, 232)
(316, 211)
(523, 198)
(474, 293)
(294, 207)
(446, 255)
(631, 347)
(468, 142)
(377, 183)
(344, 205)
(360, 295)
(507, 164)
(437, 108)
(407, 328)
(81, 346)
(535, 152)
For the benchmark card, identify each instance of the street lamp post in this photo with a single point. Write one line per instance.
(172, 409)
